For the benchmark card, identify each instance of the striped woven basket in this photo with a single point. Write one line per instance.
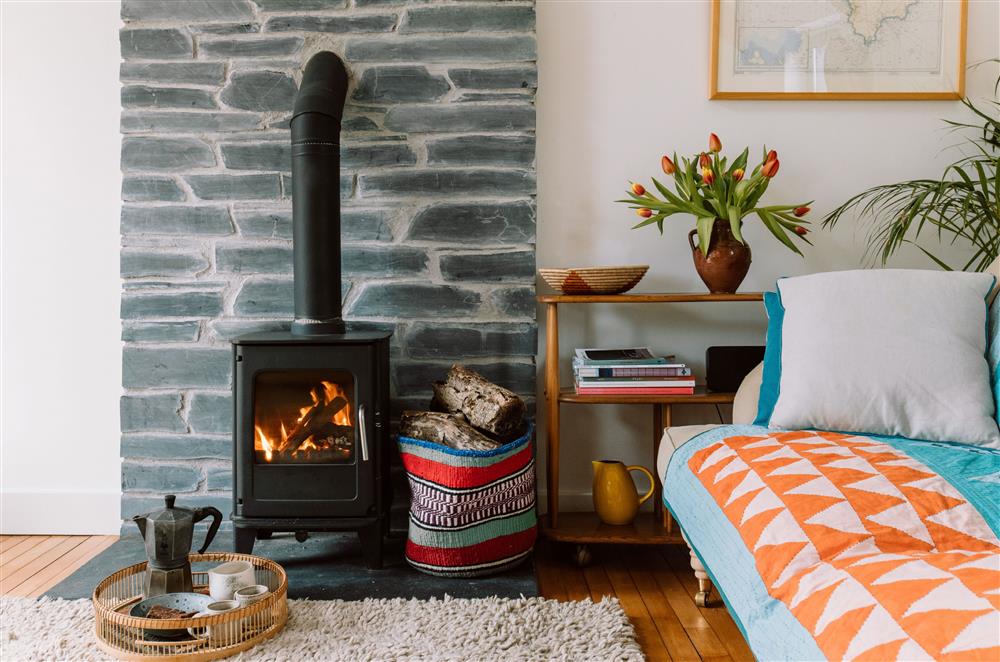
(472, 513)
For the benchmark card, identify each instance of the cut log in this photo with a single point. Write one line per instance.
(444, 429)
(312, 422)
(484, 404)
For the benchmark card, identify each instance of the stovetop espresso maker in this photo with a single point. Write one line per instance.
(168, 535)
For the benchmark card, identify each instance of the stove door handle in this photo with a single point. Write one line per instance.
(364, 434)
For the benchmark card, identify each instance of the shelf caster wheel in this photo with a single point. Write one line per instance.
(263, 535)
(704, 593)
(582, 556)
(301, 536)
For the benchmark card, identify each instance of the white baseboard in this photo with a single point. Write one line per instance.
(60, 513)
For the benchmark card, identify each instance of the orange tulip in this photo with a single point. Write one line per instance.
(801, 231)
(771, 156)
(667, 165)
(714, 144)
(738, 174)
(705, 161)
(770, 168)
(643, 212)
(801, 211)
(638, 189)
(707, 176)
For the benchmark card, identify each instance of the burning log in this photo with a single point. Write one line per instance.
(312, 422)
(444, 429)
(483, 404)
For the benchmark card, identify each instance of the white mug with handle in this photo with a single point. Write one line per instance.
(225, 633)
(224, 580)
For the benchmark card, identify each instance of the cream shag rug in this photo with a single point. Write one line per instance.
(488, 630)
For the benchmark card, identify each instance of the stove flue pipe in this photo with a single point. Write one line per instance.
(315, 124)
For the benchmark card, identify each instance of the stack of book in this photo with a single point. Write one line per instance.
(632, 371)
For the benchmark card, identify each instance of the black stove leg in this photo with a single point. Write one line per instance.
(243, 540)
(371, 545)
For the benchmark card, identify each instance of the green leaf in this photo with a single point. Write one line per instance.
(735, 224)
(705, 233)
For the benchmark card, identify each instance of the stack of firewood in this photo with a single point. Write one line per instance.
(469, 413)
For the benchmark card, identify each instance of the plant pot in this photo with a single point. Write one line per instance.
(727, 262)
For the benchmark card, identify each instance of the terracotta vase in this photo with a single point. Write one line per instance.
(727, 262)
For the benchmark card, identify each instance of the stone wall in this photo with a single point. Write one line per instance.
(438, 184)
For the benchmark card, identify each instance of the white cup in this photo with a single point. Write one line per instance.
(226, 579)
(250, 594)
(226, 633)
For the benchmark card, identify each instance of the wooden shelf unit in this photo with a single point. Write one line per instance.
(585, 528)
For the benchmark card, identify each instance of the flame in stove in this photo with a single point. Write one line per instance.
(330, 405)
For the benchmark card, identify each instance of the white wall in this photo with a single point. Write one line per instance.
(621, 83)
(60, 201)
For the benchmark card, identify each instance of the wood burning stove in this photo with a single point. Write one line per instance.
(310, 449)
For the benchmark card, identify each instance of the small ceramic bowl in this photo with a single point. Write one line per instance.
(186, 602)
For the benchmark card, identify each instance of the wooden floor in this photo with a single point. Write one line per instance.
(31, 565)
(654, 584)
(656, 587)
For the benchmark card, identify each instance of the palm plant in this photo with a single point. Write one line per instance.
(964, 204)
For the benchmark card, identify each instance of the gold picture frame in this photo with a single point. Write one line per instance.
(953, 17)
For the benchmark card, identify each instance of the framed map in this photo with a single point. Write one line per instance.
(838, 49)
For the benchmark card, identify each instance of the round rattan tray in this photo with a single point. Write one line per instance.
(131, 638)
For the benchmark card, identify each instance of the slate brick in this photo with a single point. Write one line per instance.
(154, 413)
(236, 259)
(299, 5)
(264, 223)
(494, 79)
(250, 47)
(358, 125)
(219, 478)
(147, 189)
(265, 297)
(257, 156)
(374, 155)
(442, 341)
(235, 187)
(155, 44)
(493, 97)
(383, 262)
(453, 118)
(183, 122)
(514, 301)
(489, 267)
(475, 224)
(443, 49)
(160, 331)
(171, 304)
(421, 183)
(211, 413)
(225, 28)
(183, 221)
(176, 447)
(186, 10)
(365, 224)
(169, 154)
(227, 329)
(482, 150)
(332, 24)
(160, 477)
(143, 262)
(162, 368)
(399, 84)
(261, 91)
(458, 18)
(144, 96)
(181, 73)
(415, 299)
(413, 378)
(139, 503)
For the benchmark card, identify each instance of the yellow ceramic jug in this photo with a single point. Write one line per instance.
(615, 497)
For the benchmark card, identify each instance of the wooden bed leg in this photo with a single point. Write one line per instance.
(701, 598)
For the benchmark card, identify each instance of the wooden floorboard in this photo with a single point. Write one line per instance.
(31, 565)
(656, 587)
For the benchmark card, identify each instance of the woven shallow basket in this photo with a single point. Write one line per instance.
(128, 637)
(595, 280)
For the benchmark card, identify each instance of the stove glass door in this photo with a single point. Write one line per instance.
(304, 417)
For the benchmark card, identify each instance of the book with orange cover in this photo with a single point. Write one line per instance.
(658, 390)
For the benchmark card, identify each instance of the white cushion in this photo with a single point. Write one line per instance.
(892, 352)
